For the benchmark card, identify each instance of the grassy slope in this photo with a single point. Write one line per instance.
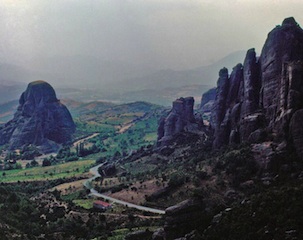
(122, 128)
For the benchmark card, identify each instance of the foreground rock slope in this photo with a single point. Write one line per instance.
(41, 119)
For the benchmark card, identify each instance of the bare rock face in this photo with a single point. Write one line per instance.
(40, 120)
(283, 45)
(264, 97)
(207, 100)
(181, 118)
(139, 235)
(183, 218)
(251, 77)
(258, 101)
(296, 131)
(219, 108)
(227, 106)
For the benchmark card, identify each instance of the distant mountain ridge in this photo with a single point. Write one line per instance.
(205, 75)
(94, 80)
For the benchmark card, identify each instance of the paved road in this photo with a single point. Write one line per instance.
(131, 205)
(95, 172)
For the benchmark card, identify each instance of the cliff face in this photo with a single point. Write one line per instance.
(263, 99)
(259, 102)
(180, 118)
(207, 100)
(40, 120)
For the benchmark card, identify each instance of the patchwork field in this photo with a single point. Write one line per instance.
(65, 170)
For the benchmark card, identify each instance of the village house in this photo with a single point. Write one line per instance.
(103, 206)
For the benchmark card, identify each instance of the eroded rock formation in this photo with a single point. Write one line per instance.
(264, 97)
(180, 118)
(260, 102)
(40, 120)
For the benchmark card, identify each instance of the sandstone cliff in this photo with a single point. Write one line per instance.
(259, 102)
(263, 98)
(40, 120)
(181, 118)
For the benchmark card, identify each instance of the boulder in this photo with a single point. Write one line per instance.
(159, 234)
(184, 217)
(139, 235)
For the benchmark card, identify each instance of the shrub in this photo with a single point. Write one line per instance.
(177, 179)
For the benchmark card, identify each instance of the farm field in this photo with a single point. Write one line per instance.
(65, 170)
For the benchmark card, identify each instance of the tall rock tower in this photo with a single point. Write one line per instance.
(263, 99)
(41, 119)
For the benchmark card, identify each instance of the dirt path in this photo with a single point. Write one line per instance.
(125, 127)
(84, 139)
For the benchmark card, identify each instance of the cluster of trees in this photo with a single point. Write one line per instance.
(81, 151)
(10, 164)
(22, 215)
(28, 152)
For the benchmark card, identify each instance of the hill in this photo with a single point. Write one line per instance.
(7, 110)
(119, 82)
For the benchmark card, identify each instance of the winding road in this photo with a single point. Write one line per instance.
(96, 174)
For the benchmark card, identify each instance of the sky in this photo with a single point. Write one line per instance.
(161, 34)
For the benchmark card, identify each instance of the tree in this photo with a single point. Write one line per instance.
(46, 162)
(131, 219)
(34, 163)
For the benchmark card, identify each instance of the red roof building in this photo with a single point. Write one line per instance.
(102, 205)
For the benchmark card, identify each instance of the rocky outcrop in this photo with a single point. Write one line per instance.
(139, 235)
(181, 118)
(251, 83)
(283, 46)
(263, 99)
(207, 100)
(40, 120)
(184, 217)
(260, 102)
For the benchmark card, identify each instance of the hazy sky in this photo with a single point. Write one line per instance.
(176, 34)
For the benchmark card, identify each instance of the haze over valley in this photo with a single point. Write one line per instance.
(151, 120)
(130, 50)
